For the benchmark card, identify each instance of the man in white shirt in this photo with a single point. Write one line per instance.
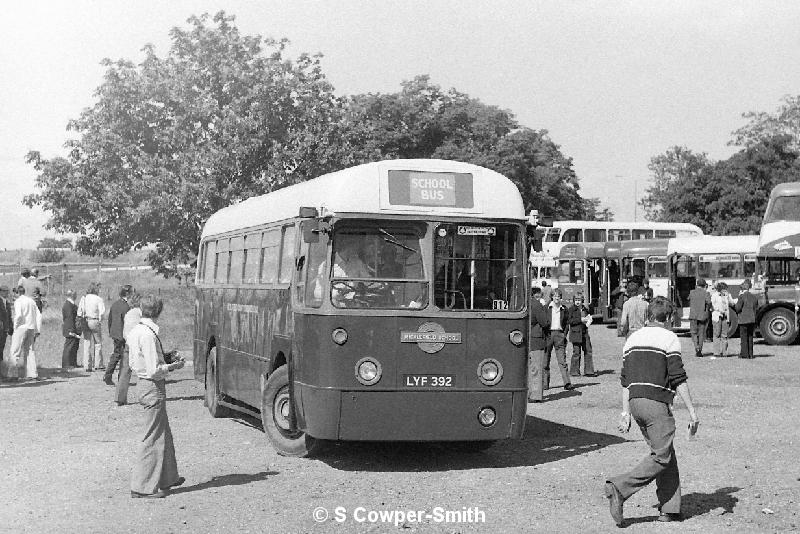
(27, 325)
(155, 470)
(92, 308)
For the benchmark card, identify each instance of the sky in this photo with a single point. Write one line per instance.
(614, 82)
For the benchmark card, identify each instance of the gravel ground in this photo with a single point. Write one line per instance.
(66, 450)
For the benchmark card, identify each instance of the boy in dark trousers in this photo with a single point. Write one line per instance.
(579, 320)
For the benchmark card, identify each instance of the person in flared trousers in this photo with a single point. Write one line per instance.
(155, 470)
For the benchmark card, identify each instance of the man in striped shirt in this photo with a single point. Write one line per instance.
(652, 372)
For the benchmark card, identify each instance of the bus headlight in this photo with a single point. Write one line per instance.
(490, 371)
(339, 336)
(516, 337)
(487, 416)
(368, 371)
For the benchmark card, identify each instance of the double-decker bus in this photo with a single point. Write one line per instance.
(385, 302)
(603, 231)
(582, 268)
(729, 259)
(779, 259)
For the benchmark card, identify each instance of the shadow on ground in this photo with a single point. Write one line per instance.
(544, 441)
(236, 479)
(697, 504)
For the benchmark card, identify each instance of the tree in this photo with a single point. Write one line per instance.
(423, 121)
(726, 197)
(676, 174)
(169, 141)
(762, 126)
(52, 242)
(593, 211)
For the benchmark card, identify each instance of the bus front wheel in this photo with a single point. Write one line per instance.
(778, 327)
(212, 387)
(275, 414)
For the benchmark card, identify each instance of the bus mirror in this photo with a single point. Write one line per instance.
(307, 212)
(310, 229)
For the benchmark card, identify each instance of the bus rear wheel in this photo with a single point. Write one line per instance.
(778, 327)
(212, 396)
(275, 414)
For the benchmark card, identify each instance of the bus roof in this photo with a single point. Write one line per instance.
(638, 247)
(786, 189)
(625, 225)
(714, 244)
(396, 187)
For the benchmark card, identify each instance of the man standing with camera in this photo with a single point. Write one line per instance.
(652, 372)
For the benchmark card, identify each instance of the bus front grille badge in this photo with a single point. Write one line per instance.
(430, 337)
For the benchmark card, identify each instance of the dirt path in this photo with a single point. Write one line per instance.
(66, 449)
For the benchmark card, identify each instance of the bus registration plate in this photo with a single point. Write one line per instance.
(428, 381)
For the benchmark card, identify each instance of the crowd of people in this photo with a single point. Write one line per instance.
(131, 323)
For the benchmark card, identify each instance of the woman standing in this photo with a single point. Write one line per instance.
(155, 470)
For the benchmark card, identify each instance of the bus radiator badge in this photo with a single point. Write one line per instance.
(430, 337)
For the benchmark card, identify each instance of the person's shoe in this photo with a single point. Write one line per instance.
(108, 381)
(615, 502)
(568, 386)
(534, 400)
(591, 375)
(178, 482)
(160, 494)
(574, 374)
(668, 518)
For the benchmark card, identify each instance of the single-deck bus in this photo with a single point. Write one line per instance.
(386, 301)
(779, 259)
(729, 259)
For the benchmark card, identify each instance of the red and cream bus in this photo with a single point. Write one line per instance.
(779, 259)
(382, 302)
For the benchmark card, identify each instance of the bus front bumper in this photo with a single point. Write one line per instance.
(409, 415)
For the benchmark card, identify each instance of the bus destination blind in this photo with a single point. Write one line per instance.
(417, 188)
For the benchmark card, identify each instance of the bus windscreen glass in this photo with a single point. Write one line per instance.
(715, 266)
(784, 209)
(478, 267)
(378, 266)
(418, 188)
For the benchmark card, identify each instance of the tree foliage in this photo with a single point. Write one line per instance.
(225, 116)
(761, 126)
(52, 242)
(726, 197)
(423, 121)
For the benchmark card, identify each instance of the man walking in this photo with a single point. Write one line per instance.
(652, 371)
(746, 307)
(116, 322)
(540, 328)
(69, 329)
(699, 305)
(634, 311)
(27, 325)
(557, 340)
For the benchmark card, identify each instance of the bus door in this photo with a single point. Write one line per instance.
(683, 278)
(596, 297)
(571, 271)
(658, 275)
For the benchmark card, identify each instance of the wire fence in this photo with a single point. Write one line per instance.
(57, 278)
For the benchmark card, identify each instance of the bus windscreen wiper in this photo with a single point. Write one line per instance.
(393, 240)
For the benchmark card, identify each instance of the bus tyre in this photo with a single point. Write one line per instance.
(275, 413)
(212, 396)
(778, 327)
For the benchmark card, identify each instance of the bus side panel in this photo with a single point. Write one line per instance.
(250, 322)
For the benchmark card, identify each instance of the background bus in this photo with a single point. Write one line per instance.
(603, 231)
(543, 269)
(345, 307)
(637, 260)
(779, 260)
(729, 259)
(583, 268)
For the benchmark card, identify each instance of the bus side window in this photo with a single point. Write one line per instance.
(287, 255)
(210, 261)
(252, 258)
(237, 260)
(573, 235)
(223, 257)
(270, 249)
